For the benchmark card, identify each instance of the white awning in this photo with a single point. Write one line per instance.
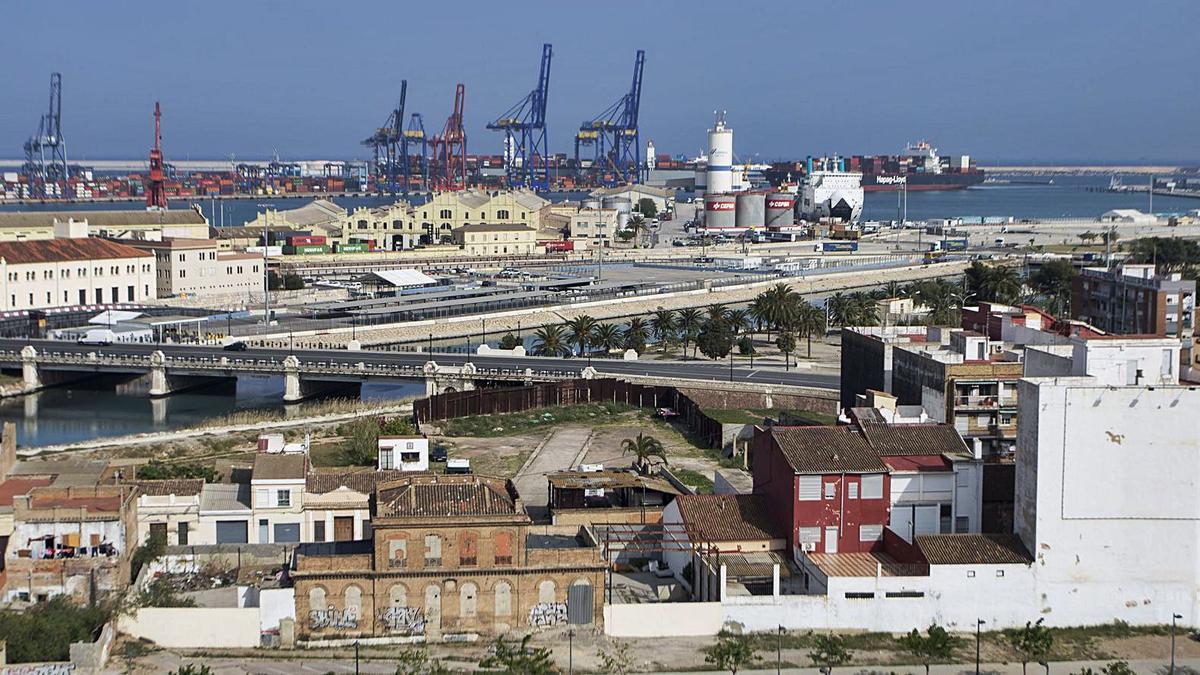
(404, 278)
(113, 316)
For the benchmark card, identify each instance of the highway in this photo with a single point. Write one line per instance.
(689, 370)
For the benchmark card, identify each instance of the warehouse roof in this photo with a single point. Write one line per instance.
(710, 518)
(915, 439)
(433, 495)
(104, 218)
(173, 242)
(59, 250)
(968, 549)
(316, 212)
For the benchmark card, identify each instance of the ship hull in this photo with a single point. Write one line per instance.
(921, 182)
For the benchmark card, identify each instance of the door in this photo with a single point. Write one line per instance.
(343, 528)
(264, 531)
(158, 531)
(926, 520)
(287, 533)
(831, 540)
(579, 604)
(183, 534)
(232, 532)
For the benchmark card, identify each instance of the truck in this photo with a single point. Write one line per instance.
(836, 247)
(559, 246)
(956, 244)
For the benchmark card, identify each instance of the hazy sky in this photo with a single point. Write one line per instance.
(1002, 80)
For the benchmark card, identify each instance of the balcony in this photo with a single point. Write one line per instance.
(982, 402)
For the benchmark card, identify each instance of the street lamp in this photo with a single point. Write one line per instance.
(779, 651)
(1045, 665)
(978, 627)
(571, 651)
(1174, 618)
(731, 363)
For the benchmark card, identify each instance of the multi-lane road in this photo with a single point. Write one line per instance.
(689, 370)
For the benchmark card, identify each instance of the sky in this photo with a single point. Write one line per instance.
(1005, 81)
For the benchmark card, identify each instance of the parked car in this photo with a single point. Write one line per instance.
(438, 454)
(238, 346)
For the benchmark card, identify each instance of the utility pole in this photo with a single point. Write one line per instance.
(266, 273)
(978, 627)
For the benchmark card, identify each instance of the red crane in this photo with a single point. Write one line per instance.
(156, 185)
(450, 148)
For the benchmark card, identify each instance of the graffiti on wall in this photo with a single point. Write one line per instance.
(43, 669)
(403, 620)
(546, 614)
(332, 618)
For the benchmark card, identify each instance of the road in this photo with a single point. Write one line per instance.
(687, 370)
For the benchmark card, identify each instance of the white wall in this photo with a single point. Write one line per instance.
(1108, 499)
(667, 619)
(194, 627)
(275, 604)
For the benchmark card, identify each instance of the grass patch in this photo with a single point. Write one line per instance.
(491, 426)
(697, 480)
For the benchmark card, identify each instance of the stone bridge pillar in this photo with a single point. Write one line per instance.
(159, 384)
(29, 369)
(441, 379)
(292, 390)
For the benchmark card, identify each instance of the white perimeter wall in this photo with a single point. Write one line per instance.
(668, 619)
(194, 627)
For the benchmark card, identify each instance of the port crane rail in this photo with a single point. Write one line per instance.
(613, 135)
(524, 127)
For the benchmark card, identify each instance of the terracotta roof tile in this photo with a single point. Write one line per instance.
(102, 218)
(712, 518)
(864, 565)
(423, 495)
(915, 439)
(362, 480)
(967, 549)
(283, 466)
(827, 450)
(57, 250)
(171, 486)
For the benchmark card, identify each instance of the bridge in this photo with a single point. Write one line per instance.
(162, 370)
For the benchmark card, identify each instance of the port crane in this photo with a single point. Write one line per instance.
(156, 183)
(612, 135)
(524, 127)
(386, 142)
(450, 148)
(46, 151)
(414, 139)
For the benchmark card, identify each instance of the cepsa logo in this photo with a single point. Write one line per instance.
(718, 206)
(779, 204)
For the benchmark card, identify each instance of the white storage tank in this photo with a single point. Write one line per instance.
(720, 156)
(720, 212)
(751, 210)
(781, 209)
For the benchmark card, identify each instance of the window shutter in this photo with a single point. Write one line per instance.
(810, 488)
(872, 486)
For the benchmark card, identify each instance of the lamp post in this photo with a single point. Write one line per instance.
(978, 627)
(731, 363)
(1174, 618)
(1045, 665)
(779, 651)
(431, 342)
(266, 273)
(571, 651)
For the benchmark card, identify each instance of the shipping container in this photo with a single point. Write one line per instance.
(559, 246)
(311, 249)
(352, 248)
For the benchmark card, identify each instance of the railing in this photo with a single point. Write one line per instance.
(985, 402)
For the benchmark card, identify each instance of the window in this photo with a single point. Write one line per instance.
(503, 546)
(468, 544)
(999, 573)
(316, 598)
(398, 553)
(851, 490)
(353, 601)
(905, 594)
(830, 490)
(870, 533)
(467, 601)
(502, 214)
(385, 459)
(808, 535)
(318, 530)
(859, 596)
(283, 497)
(546, 592)
(503, 593)
(182, 530)
(872, 486)
(810, 488)
(962, 524)
(433, 550)
(445, 213)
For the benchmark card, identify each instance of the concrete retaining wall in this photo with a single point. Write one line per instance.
(668, 619)
(194, 627)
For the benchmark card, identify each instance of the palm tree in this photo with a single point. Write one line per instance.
(863, 309)
(645, 450)
(636, 334)
(840, 309)
(689, 325)
(606, 336)
(738, 320)
(1003, 284)
(549, 341)
(893, 289)
(758, 313)
(715, 311)
(663, 324)
(810, 319)
(580, 330)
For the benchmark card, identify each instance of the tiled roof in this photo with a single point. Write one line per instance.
(282, 466)
(967, 549)
(493, 227)
(711, 518)
(864, 565)
(827, 450)
(173, 486)
(103, 218)
(58, 250)
(362, 480)
(915, 439)
(434, 495)
(20, 486)
(225, 497)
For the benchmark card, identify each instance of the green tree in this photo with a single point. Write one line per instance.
(635, 334)
(647, 207)
(361, 445)
(192, 669)
(45, 631)
(415, 661)
(607, 337)
(829, 652)
(738, 320)
(840, 309)
(810, 321)
(646, 451)
(689, 326)
(935, 646)
(159, 470)
(580, 330)
(396, 426)
(1168, 254)
(509, 341)
(639, 228)
(786, 342)
(1032, 643)
(618, 658)
(550, 341)
(864, 310)
(745, 345)
(663, 324)
(1052, 282)
(731, 652)
(274, 281)
(1087, 237)
(154, 546)
(517, 658)
(293, 282)
(715, 339)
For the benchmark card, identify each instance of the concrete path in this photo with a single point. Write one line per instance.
(562, 449)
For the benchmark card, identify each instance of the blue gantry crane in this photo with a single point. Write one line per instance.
(386, 144)
(46, 150)
(613, 135)
(414, 139)
(524, 127)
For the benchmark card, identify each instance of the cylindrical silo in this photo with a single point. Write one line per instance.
(591, 204)
(720, 212)
(620, 204)
(720, 157)
(781, 209)
(751, 210)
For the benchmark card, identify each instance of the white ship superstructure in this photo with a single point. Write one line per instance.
(829, 191)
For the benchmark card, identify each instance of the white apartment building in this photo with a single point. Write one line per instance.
(68, 272)
(406, 453)
(597, 227)
(198, 268)
(496, 239)
(277, 496)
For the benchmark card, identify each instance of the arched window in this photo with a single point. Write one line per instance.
(316, 598)
(503, 599)
(468, 549)
(445, 213)
(502, 214)
(433, 604)
(546, 591)
(504, 548)
(398, 596)
(467, 601)
(352, 597)
(433, 550)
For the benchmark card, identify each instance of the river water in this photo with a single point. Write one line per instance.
(76, 414)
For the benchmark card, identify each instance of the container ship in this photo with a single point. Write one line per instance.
(919, 167)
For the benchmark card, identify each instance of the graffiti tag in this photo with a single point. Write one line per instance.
(332, 618)
(546, 614)
(404, 620)
(45, 669)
